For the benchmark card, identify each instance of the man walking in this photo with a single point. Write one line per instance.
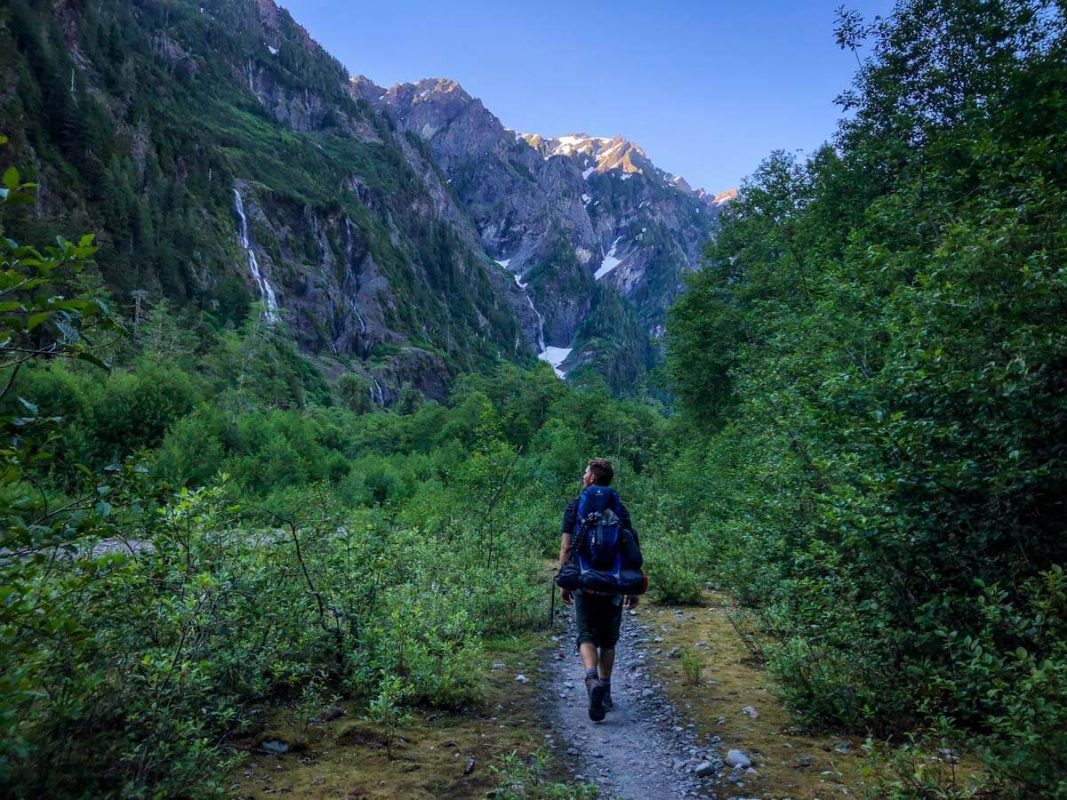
(598, 616)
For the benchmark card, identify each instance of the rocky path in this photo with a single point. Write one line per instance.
(643, 749)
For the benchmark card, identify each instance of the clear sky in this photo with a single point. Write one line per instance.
(707, 87)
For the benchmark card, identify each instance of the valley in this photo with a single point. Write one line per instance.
(298, 374)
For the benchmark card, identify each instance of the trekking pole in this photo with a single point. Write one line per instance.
(551, 603)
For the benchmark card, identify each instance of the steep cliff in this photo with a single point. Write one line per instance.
(218, 153)
(225, 159)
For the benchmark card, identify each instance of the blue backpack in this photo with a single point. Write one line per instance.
(606, 558)
(598, 510)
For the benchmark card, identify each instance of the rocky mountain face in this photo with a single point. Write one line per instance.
(225, 159)
(596, 233)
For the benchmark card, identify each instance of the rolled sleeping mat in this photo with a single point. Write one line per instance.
(628, 581)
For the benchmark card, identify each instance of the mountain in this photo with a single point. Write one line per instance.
(598, 234)
(404, 234)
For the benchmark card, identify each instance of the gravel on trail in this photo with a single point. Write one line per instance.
(644, 749)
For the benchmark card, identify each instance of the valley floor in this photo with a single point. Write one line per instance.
(670, 736)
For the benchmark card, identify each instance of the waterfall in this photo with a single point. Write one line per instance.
(381, 396)
(266, 291)
(348, 266)
(552, 355)
(538, 314)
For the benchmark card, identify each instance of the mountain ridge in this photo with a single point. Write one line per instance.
(557, 211)
(405, 234)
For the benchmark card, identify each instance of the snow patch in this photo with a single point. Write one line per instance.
(610, 262)
(587, 172)
(571, 141)
(504, 264)
(583, 254)
(586, 198)
(273, 50)
(627, 176)
(556, 356)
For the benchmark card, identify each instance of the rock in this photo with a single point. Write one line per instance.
(752, 712)
(674, 652)
(498, 666)
(720, 721)
(469, 768)
(275, 746)
(522, 678)
(843, 747)
(703, 769)
(804, 762)
(646, 692)
(331, 713)
(448, 743)
(735, 758)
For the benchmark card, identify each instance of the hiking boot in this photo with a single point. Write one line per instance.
(596, 697)
(591, 680)
(609, 704)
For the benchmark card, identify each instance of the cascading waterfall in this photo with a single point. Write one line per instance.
(348, 264)
(552, 355)
(381, 395)
(266, 291)
(538, 314)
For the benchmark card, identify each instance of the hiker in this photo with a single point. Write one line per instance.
(598, 616)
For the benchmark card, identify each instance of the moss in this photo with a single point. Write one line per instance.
(789, 761)
(347, 756)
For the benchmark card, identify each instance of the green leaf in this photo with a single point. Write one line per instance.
(11, 178)
(37, 319)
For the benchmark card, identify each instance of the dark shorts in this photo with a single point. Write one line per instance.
(598, 617)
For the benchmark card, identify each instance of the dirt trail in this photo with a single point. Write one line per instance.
(643, 749)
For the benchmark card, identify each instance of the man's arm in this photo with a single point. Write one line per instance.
(630, 600)
(569, 516)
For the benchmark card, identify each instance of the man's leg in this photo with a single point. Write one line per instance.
(589, 656)
(607, 654)
(605, 663)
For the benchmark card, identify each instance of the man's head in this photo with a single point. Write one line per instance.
(598, 471)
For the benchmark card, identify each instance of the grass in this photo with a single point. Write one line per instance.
(431, 750)
(717, 676)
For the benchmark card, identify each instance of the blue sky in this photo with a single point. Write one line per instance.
(708, 89)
